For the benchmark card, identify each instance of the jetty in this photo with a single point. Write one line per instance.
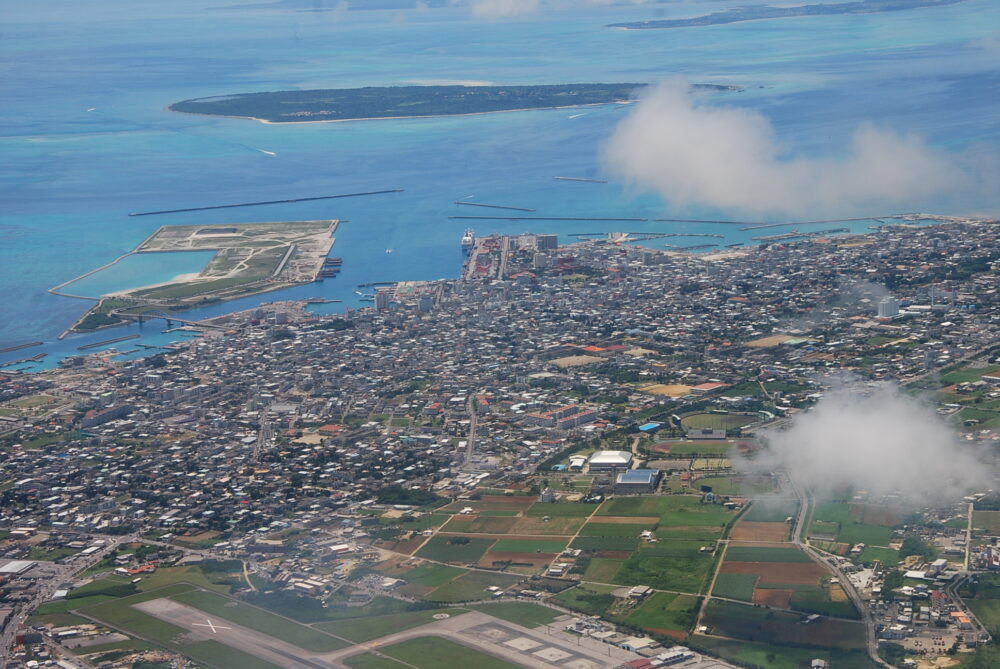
(581, 179)
(107, 341)
(491, 206)
(34, 358)
(265, 202)
(547, 218)
(18, 347)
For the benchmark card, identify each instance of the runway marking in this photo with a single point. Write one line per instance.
(214, 628)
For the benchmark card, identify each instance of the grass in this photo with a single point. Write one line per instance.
(521, 613)
(677, 567)
(588, 598)
(779, 657)
(858, 533)
(988, 613)
(603, 570)
(606, 543)
(223, 656)
(441, 549)
(360, 630)
(750, 623)
(432, 574)
(529, 546)
(717, 421)
(614, 529)
(438, 653)
(471, 586)
(765, 554)
(735, 586)
(370, 661)
(119, 613)
(260, 620)
(560, 509)
(888, 556)
(666, 611)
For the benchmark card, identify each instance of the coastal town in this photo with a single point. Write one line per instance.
(566, 434)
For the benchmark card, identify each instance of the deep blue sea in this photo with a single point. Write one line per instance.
(85, 136)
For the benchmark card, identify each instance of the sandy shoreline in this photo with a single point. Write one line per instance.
(399, 118)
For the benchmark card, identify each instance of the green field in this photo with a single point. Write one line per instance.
(432, 574)
(438, 653)
(858, 533)
(606, 543)
(742, 621)
(765, 554)
(673, 510)
(528, 546)
(560, 510)
(717, 421)
(603, 570)
(471, 586)
(590, 599)
(596, 529)
(736, 485)
(676, 567)
(666, 612)
(360, 630)
(441, 549)
(695, 449)
(773, 510)
(521, 613)
(735, 586)
(888, 556)
(988, 613)
(779, 657)
(261, 620)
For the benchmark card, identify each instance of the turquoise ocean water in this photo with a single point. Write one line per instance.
(85, 137)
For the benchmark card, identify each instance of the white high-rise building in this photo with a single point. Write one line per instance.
(888, 307)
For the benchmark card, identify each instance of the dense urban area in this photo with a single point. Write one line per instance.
(553, 461)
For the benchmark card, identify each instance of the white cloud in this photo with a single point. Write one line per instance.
(729, 158)
(498, 9)
(884, 442)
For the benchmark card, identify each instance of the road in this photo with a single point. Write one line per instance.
(845, 582)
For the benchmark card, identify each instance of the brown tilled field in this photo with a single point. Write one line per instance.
(781, 599)
(748, 531)
(778, 572)
(535, 526)
(408, 547)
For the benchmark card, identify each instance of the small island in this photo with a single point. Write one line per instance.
(760, 12)
(394, 102)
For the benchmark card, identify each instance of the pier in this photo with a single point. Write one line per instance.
(265, 202)
(581, 179)
(795, 234)
(34, 358)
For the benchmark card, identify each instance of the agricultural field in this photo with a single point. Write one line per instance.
(986, 520)
(588, 598)
(666, 614)
(780, 576)
(471, 587)
(780, 657)
(851, 524)
(982, 595)
(737, 485)
(742, 621)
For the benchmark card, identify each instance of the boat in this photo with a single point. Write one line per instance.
(389, 250)
(468, 240)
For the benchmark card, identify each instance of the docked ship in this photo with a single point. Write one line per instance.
(468, 240)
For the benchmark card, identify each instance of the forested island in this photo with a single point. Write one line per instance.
(758, 12)
(375, 102)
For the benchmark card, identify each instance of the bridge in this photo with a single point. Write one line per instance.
(169, 318)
